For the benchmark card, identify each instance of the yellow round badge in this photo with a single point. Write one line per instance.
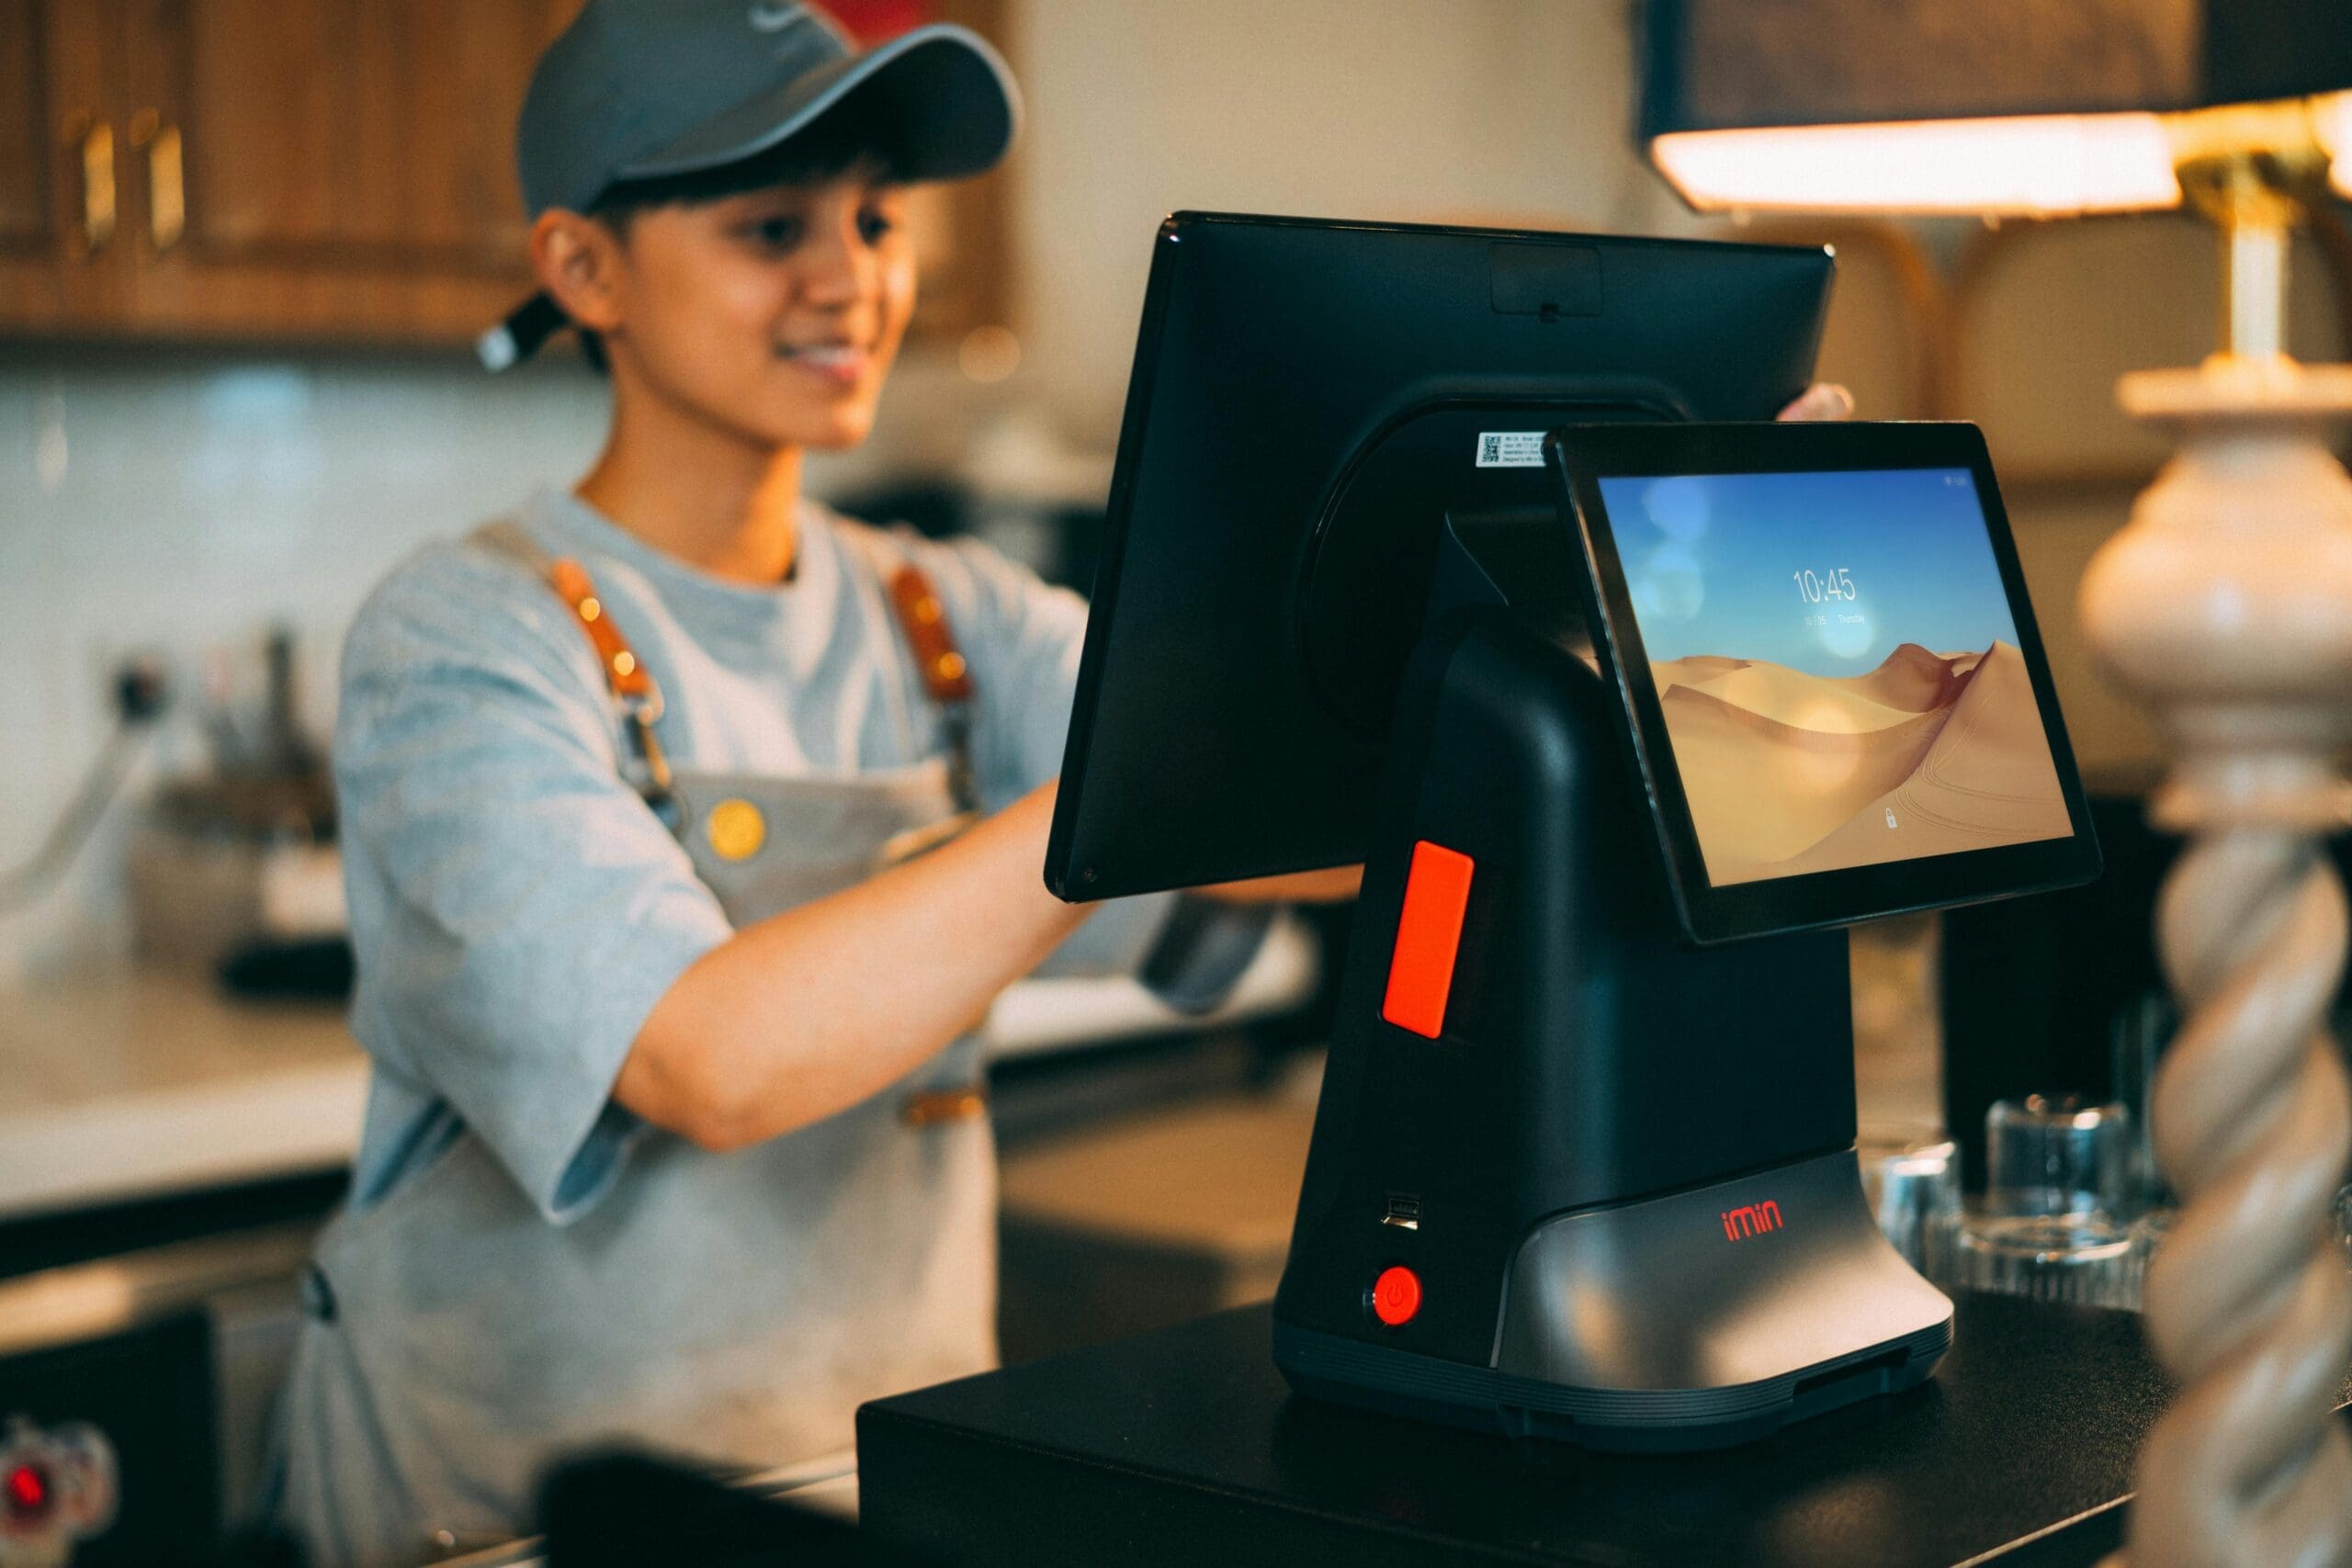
(735, 829)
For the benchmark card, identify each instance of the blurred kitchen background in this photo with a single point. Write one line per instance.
(244, 247)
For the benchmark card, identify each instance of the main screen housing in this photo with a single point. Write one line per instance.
(1310, 400)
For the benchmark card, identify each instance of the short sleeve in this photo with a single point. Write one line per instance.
(517, 909)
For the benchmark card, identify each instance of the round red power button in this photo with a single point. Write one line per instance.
(25, 1492)
(1397, 1296)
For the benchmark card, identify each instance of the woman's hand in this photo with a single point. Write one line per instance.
(1822, 400)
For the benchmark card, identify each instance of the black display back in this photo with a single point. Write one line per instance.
(1310, 399)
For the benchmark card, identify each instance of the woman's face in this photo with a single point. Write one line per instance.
(775, 315)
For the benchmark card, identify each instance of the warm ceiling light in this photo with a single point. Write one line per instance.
(2332, 118)
(2034, 165)
(2003, 108)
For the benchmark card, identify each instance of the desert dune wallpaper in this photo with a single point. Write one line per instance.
(1837, 667)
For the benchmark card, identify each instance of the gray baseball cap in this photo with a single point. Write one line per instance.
(642, 89)
(638, 89)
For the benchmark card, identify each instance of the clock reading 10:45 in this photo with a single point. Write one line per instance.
(1836, 584)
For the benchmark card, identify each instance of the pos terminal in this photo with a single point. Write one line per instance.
(1409, 559)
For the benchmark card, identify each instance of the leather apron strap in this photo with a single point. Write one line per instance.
(945, 674)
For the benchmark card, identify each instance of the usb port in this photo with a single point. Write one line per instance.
(1404, 1212)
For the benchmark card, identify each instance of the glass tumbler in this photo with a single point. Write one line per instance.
(2055, 1155)
(1912, 1184)
(2058, 1175)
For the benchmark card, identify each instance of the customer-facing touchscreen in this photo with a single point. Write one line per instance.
(1837, 667)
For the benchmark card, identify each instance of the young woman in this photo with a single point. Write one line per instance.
(689, 828)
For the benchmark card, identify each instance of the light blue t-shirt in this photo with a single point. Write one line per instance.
(516, 906)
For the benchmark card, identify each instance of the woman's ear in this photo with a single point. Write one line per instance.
(578, 262)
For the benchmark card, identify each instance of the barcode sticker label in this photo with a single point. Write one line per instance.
(1511, 449)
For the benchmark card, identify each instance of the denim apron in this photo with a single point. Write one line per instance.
(734, 1307)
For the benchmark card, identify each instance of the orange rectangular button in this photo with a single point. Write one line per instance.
(1429, 933)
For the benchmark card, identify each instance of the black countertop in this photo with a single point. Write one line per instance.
(1186, 1446)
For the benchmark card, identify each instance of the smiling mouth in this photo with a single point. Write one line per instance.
(840, 362)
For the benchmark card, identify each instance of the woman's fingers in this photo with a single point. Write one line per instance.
(1822, 400)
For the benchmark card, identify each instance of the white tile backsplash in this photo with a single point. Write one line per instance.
(185, 503)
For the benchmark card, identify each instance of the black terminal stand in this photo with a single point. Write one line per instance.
(1600, 1185)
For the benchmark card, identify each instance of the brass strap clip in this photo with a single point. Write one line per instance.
(631, 684)
(929, 1108)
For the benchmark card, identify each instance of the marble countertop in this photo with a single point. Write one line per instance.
(131, 1082)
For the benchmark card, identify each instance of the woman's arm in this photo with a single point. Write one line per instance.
(810, 1012)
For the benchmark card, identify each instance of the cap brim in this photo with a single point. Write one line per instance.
(950, 93)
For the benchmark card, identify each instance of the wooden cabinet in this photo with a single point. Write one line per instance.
(29, 230)
(60, 206)
(320, 171)
(323, 169)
